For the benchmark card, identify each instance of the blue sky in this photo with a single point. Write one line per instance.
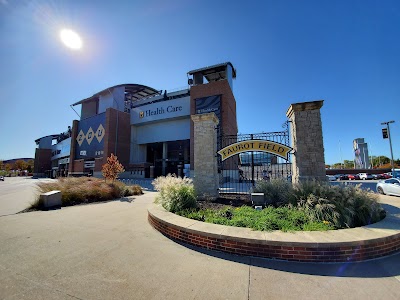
(344, 52)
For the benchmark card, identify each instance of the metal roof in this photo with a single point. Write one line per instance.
(132, 91)
(214, 72)
(53, 136)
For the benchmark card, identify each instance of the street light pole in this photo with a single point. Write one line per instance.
(390, 143)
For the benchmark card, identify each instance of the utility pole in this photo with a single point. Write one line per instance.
(390, 142)
(341, 158)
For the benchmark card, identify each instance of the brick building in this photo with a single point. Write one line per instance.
(150, 130)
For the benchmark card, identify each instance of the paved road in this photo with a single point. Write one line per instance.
(109, 251)
(16, 193)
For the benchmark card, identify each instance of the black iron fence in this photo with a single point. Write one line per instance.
(239, 173)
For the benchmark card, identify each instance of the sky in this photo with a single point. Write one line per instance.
(343, 52)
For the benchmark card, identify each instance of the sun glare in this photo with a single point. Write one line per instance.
(71, 39)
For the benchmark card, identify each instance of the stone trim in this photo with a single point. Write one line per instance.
(303, 106)
(346, 245)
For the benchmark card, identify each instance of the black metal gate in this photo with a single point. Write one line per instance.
(238, 174)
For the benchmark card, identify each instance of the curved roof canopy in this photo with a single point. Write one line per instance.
(53, 136)
(133, 92)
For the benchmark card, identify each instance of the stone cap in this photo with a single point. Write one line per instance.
(303, 106)
(205, 117)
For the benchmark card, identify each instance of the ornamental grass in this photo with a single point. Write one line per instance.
(77, 190)
(175, 193)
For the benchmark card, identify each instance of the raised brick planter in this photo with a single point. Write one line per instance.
(357, 244)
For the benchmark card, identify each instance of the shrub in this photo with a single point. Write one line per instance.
(175, 193)
(277, 191)
(308, 205)
(112, 168)
(283, 218)
(85, 190)
(344, 207)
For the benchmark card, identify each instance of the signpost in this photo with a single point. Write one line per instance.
(387, 133)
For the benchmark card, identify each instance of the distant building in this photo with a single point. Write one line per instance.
(361, 156)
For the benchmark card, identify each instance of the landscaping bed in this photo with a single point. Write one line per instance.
(308, 206)
(84, 190)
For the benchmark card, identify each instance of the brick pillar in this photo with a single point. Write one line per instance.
(74, 135)
(308, 161)
(205, 177)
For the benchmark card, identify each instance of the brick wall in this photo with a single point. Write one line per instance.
(74, 134)
(42, 160)
(339, 252)
(78, 165)
(124, 135)
(228, 120)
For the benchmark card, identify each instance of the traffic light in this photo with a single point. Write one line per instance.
(385, 133)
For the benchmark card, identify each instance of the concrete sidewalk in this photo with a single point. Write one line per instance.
(109, 251)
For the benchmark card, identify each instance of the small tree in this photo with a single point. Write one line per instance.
(112, 168)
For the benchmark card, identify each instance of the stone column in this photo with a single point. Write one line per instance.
(308, 161)
(205, 177)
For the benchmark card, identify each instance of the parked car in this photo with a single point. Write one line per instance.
(353, 177)
(365, 176)
(389, 187)
(331, 178)
(381, 176)
(341, 177)
(1, 178)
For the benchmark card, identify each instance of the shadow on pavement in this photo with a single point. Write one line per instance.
(388, 266)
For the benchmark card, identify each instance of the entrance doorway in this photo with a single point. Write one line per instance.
(169, 157)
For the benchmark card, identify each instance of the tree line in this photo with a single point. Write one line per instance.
(18, 166)
(376, 162)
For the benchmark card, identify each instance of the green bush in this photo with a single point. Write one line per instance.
(344, 207)
(278, 192)
(175, 193)
(85, 190)
(283, 218)
(308, 205)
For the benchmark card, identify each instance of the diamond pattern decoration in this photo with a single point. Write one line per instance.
(80, 138)
(90, 135)
(100, 132)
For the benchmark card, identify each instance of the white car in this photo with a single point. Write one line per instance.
(365, 176)
(330, 178)
(389, 187)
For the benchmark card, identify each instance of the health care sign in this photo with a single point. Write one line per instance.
(255, 146)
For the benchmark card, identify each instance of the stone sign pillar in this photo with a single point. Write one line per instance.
(205, 177)
(308, 161)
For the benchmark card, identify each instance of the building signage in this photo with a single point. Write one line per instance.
(255, 146)
(63, 161)
(62, 149)
(208, 105)
(90, 139)
(88, 164)
(161, 110)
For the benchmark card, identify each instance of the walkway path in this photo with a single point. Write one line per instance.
(109, 251)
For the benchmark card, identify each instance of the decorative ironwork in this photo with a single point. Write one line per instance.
(239, 173)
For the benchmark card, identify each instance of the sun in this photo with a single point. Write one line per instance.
(71, 39)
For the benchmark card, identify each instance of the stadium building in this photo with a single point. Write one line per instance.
(150, 130)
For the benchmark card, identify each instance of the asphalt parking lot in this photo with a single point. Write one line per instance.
(16, 193)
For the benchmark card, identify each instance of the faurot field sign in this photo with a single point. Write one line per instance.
(255, 146)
